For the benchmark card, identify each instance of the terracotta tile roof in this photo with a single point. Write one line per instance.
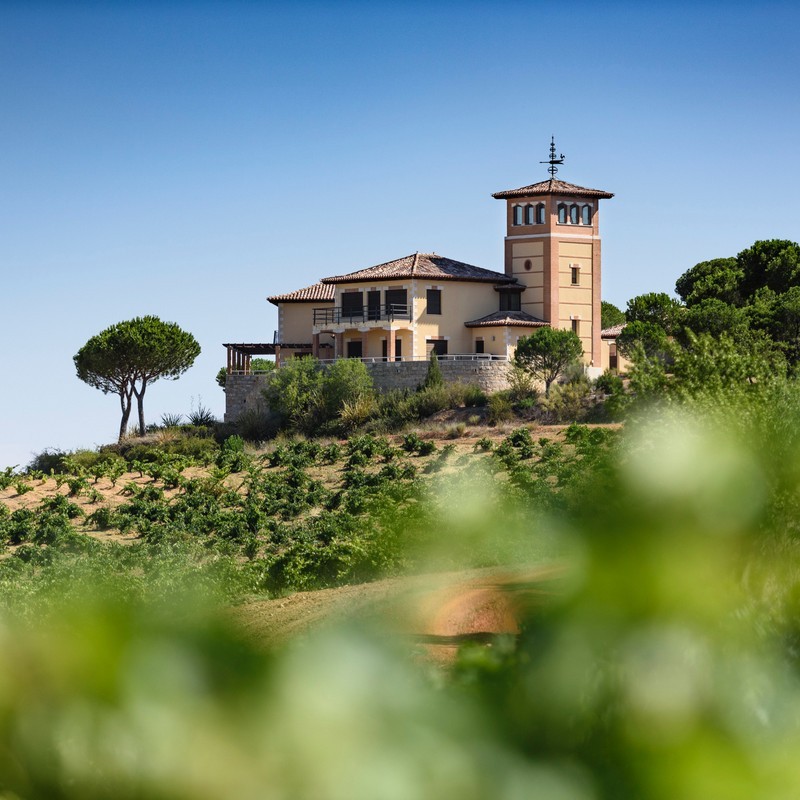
(551, 186)
(613, 332)
(514, 318)
(422, 265)
(318, 293)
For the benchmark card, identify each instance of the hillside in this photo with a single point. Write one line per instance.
(304, 530)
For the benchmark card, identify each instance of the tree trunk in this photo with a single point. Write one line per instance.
(125, 405)
(140, 405)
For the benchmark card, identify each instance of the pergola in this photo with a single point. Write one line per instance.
(240, 354)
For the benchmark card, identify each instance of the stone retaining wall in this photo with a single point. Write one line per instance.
(491, 376)
(243, 392)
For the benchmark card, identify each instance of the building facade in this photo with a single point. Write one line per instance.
(405, 309)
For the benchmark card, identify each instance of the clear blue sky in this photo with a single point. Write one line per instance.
(188, 159)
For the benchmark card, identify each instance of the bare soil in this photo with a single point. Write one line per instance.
(434, 614)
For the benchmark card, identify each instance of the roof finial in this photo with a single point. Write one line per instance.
(553, 169)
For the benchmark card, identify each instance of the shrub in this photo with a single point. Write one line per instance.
(500, 408)
(433, 378)
(294, 391)
(48, 461)
(411, 442)
(426, 447)
(474, 396)
(59, 504)
(456, 431)
(356, 412)
(428, 401)
(521, 440)
(484, 445)
(611, 385)
(331, 453)
(346, 381)
(7, 477)
(521, 384)
(201, 416)
(608, 383)
(567, 402)
(103, 518)
(232, 455)
(171, 420)
(395, 409)
(257, 426)
(368, 445)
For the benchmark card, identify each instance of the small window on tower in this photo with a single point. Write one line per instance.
(576, 276)
(540, 214)
(586, 215)
(576, 327)
(530, 215)
(517, 215)
(562, 213)
(573, 214)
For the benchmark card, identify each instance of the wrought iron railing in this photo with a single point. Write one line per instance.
(483, 357)
(352, 316)
(445, 357)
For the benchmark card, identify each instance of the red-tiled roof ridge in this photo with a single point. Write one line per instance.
(613, 331)
(422, 265)
(316, 293)
(552, 186)
(514, 318)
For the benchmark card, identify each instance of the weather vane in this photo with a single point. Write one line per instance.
(553, 169)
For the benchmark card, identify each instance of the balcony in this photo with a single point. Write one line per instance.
(339, 315)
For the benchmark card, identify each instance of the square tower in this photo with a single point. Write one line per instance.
(552, 247)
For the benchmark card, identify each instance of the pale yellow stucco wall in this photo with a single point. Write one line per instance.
(532, 300)
(295, 321)
(575, 300)
(460, 301)
(606, 348)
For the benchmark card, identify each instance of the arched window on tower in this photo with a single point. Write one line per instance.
(517, 215)
(573, 214)
(540, 214)
(529, 215)
(562, 213)
(586, 215)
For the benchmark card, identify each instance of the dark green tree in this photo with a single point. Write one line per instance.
(610, 315)
(717, 279)
(777, 316)
(126, 358)
(547, 352)
(650, 337)
(655, 308)
(716, 317)
(774, 264)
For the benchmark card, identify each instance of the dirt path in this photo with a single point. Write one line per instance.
(435, 613)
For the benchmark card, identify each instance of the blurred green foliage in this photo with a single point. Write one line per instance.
(662, 665)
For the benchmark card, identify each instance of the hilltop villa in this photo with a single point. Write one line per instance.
(394, 314)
